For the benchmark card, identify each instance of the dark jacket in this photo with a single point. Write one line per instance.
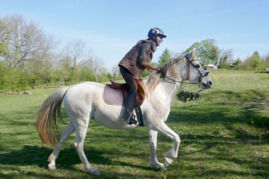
(142, 51)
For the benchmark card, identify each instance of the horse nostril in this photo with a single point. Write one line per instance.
(210, 83)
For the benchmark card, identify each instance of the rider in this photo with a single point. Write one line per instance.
(134, 63)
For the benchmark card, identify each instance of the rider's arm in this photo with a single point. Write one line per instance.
(150, 67)
(144, 51)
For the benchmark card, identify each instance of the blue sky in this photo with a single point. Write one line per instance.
(111, 27)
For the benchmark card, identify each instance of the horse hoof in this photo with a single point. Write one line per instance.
(158, 166)
(163, 168)
(167, 161)
(94, 171)
(51, 166)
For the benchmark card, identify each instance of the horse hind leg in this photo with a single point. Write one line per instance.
(54, 155)
(81, 131)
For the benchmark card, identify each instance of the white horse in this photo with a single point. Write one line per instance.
(84, 101)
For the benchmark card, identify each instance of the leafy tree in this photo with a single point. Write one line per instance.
(207, 51)
(165, 57)
(86, 74)
(236, 65)
(116, 73)
(225, 59)
(267, 61)
(3, 76)
(3, 49)
(254, 63)
(27, 59)
(103, 75)
(25, 41)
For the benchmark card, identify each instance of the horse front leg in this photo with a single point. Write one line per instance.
(153, 135)
(171, 154)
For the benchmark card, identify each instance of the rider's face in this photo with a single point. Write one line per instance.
(159, 40)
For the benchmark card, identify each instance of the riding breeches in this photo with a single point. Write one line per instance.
(129, 78)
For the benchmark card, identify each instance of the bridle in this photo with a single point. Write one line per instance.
(190, 63)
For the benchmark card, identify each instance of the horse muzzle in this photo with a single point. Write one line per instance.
(207, 85)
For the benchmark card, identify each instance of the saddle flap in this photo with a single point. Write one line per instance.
(141, 91)
(111, 96)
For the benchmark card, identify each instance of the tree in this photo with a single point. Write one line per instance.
(207, 51)
(267, 60)
(3, 50)
(27, 58)
(75, 51)
(86, 74)
(237, 64)
(164, 58)
(24, 40)
(254, 63)
(95, 64)
(225, 59)
(3, 37)
(116, 73)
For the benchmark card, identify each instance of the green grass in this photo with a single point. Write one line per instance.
(224, 134)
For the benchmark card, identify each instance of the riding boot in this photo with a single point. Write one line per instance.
(129, 105)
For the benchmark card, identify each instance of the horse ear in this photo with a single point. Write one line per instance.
(194, 50)
(190, 55)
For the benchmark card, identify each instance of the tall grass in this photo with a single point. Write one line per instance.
(225, 134)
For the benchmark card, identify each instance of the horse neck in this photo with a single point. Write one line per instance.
(177, 72)
(183, 67)
(170, 89)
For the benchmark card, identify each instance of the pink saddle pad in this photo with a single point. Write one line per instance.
(113, 96)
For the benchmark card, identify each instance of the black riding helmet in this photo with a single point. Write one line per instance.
(154, 32)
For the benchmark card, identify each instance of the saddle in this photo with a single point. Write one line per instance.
(115, 93)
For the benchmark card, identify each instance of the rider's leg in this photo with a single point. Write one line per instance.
(129, 106)
(131, 97)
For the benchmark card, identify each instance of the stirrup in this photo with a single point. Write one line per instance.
(131, 119)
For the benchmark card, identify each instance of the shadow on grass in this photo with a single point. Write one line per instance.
(206, 149)
(33, 155)
(247, 107)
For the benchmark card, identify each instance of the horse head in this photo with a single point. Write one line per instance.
(195, 71)
(186, 67)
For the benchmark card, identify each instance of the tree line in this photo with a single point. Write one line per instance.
(209, 53)
(28, 58)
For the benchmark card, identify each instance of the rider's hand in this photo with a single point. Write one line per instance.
(155, 68)
(158, 69)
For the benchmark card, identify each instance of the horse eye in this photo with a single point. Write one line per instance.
(197, 66)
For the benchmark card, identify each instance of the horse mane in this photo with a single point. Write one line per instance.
(154, 80)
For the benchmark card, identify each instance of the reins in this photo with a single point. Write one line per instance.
(172, 80)
(177, 81)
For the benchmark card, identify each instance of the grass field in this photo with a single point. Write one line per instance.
(224, 134)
